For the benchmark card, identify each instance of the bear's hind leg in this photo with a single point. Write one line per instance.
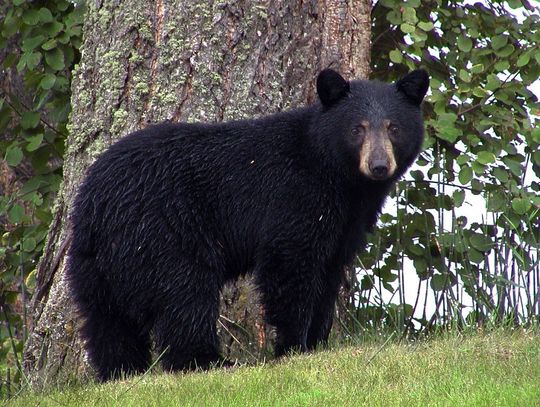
(115, 346)
(186, 335)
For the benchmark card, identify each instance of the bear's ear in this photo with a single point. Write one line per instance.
(414, 85)
(331, 87)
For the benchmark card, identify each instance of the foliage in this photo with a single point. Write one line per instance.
(468, 217)
(498, 369)
(40, 41)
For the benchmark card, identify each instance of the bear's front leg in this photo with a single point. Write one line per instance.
(324, 309)
(288, 290)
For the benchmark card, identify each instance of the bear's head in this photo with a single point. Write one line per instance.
(374, 130)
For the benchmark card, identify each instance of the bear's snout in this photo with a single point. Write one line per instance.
(377, 160)
(379, 169)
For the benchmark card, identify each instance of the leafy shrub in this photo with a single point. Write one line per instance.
(39, 44)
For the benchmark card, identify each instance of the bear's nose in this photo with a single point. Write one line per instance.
(379, 169)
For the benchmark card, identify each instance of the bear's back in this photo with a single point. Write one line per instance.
(234, 181)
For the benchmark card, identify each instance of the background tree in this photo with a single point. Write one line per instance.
(144, 62)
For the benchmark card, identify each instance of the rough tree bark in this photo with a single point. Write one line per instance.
(147, 61)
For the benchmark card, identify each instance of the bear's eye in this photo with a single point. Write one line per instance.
(393, 130)
(358, 131)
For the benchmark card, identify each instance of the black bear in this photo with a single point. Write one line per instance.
(169, 214)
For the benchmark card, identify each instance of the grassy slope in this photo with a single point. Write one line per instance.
(493, 370)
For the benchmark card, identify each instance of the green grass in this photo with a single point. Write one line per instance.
(497, 369)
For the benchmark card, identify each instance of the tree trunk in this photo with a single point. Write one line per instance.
(147, 61)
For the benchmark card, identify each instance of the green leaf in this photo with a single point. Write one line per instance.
(15, 214)
(395, 56)
(493, 82)
(481, 242)
(30, 60)
(10, 60)
(479, 92)
(462, 159)
(18, 2)
(14, 155)
(425, 25)
(515, 4)
(34, 142)
(459, 196)
(496, 201)
(447, 119)
(502, 65)
(31, 185)
(45, 15)
(486, 157)
(476, 256)
(535, 133)
(10, 26)
(385, 273)
(477, 186)
(62, 5)
(465, 175)
(417, 175)
(55, 59)
(439, 282)
(523, 59)
(408, 310)
(521, 205)
(394, 17)
(464, 43)
(29, 120)
(473, 32)
(52, 29)
(407, 28)
(478, 168)
(47, 82)
(506, 51)
(63, 38)
(409, 15)
(449, 133)
(22, 62)
(536, 157)
(43, 97)
(30, 43)
(477, 68)
(29, 244)
(501, 175)
(31, 17)
(499, 41)
(514, 166)
(366, 283)
(37, 199)
(464, 75)
(49, 45)
(446, 127)
(415, 249)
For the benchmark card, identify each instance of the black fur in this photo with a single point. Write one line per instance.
(170, 213)
(414, 85)
(331, 87)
